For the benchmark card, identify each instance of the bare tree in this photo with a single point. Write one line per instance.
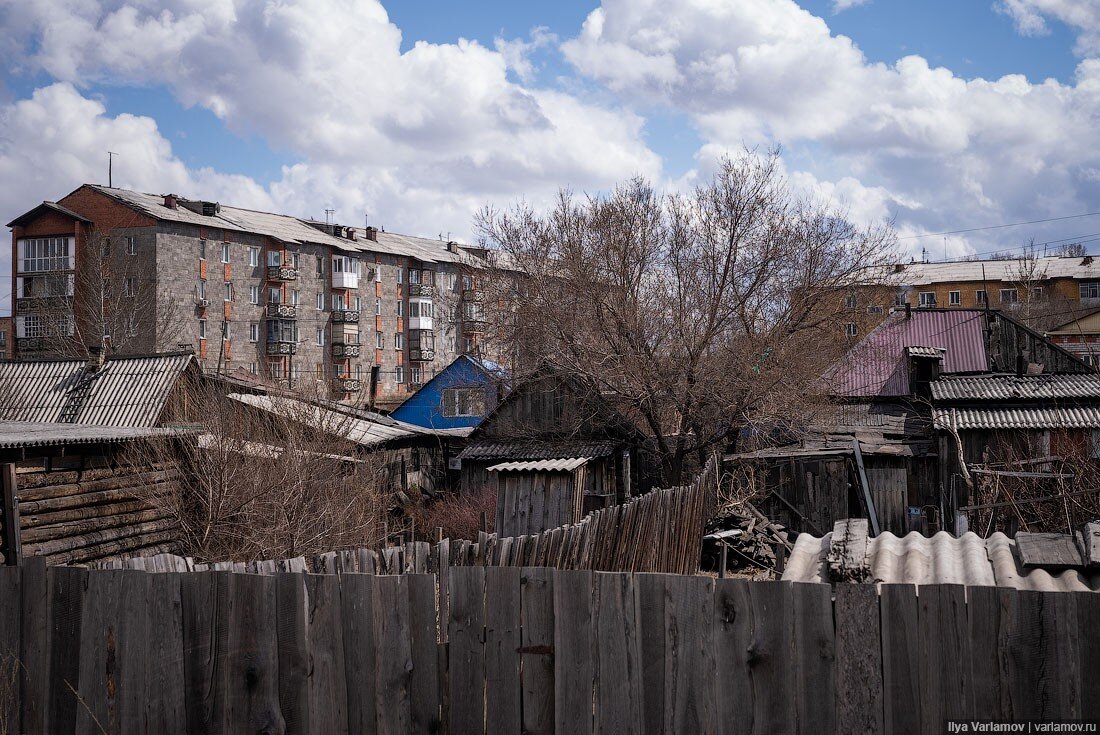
(704, 314)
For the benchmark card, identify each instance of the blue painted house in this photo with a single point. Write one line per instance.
(460, 396)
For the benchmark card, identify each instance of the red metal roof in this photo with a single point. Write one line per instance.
(878, 364)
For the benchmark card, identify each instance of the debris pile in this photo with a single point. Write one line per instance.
(750, 536)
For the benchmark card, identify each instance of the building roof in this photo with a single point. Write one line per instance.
(941, 559)
(52, 206)
(1013, 388)
(996, 271)
(567, 464)
(1087, 417)
(1087, 322)
(288, 229)
(20, 434)
(878, 365)
(534, 450)
(125, 391)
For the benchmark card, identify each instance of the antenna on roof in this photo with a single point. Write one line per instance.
(328, 216)
(110, 169)
(924, 255)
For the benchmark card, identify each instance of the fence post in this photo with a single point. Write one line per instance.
(9, 515)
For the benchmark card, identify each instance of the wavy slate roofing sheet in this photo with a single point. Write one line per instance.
(1011, 387)
(1070, 417)
(36, 391)
(530, 450)
(14, 434)
(878, 365)
(541, 465)
(941, 559)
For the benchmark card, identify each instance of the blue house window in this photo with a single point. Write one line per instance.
(464, 402)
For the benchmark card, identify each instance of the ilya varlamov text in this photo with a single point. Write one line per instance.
(968, 726)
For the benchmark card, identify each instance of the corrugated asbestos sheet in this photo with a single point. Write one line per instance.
(1087, 417)
(529, 450)
(941, 559)
(17, 434)
(878, 364)
(1011, 387)
(541, 465)
(129, 391)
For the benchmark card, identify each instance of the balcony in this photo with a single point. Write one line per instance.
(420, 322)
(282, 311)
(421, 289)
(345, 279)
(345, 316)
(343, 349)
(347, 385)
(281, 273)
(421, 355)
(474, 326)
(475, 295)
(30, 344)
(282, 348)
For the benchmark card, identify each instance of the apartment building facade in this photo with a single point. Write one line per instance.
(362, 315)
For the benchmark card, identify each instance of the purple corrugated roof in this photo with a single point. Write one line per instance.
(878, 366)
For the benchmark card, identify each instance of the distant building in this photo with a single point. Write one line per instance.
(459, 396)
(367, 314)
(1080, 336)
(6, 338)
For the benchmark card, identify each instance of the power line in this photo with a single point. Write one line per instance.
(998, 227)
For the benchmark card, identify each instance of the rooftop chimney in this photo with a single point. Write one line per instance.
(452, 246)
(170, 201)
(371, 233)
(95, 357)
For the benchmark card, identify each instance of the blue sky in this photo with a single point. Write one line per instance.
(936, 115)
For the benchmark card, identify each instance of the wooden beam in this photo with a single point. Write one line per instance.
(1048, 550)
(868, 501)
(1045, 498)
(9, 515)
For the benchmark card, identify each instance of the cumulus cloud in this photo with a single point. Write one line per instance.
(1030, 17)
(937, 150)
(842, 5)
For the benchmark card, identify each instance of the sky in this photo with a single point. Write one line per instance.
(937, 116)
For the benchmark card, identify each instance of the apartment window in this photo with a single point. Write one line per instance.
(980, 296)
(850, 301)
(339, 302)
(954, 297)
(282, 330)
(377, 307)
(130, 287)
(399, 341)
(379, 340)
(252, 368)
(202, 329)
(131, 245)
(295, 260)
(320, 336)
(1009, 296)
(227, 291)
(1090, 289)
(3, 338)
(253, 332)
(226, 330)
(400, 308)
(295, 297)
(851, 329)
(358, 303)
(49, 284)
(468, 345)
(275, 368)
(899, 299)
(295, 371)
(320, 265)
(927, 298)
(400, 276)
(372, 273)
(339, 370)
(202, 249)
(1037, 293)
(463, 402)
(344, 264)
(320, 302)
(225, 252)
(253, 256)
(274, 295)
(253, 294)
(451, 281)
(414, 375)
(399, 375)
(275, 257)
(874, 309)
(46, 254)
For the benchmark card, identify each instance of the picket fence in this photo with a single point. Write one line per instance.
(532, 650)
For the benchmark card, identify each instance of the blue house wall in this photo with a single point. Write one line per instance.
(425, 407)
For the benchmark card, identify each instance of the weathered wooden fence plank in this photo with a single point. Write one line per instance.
(360, 653)
(328, 699)
(771, 659)
(393, 639)
(901, 643)
(293, 650)
(424, 648)
(132, 654)
(537, 652)
(97, 683)
(858, 660)
(205, 638)
(1088, 656)
(983, 611)
(573, 645)
(619, 664)
(66, 590)
(1040, 647)
(690, 686)
(11, 644)
(944, 655)
(502, 650)
(165, 707)
(252, 699)
(733, 626)
(815, 657)
(467, 650)
(649, 592)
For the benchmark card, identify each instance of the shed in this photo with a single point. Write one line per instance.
(460, 395)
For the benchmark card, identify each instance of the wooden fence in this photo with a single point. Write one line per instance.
(92, 511)
(530, 650)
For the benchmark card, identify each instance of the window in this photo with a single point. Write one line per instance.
(46, 254)
(202, 329)
(980, 296)
(874, 309)
(131, 245)
(202, 249)
(927, 298)
(320, 302)
(274, 257)
(253, 332)
(344, 264)
(295, 261)
(339, 302)
(358, 303)
(253, 256)
(1037, 293)
(451, 281)
(379, 340)
(295, 371)
(463, 402)
(1090, 289)
(253, 294)
(49, 284)
(130, 288)
(227, 291)
(414, 375)
(954, 297)
(1009, 296)
(378, 307)
(252, 368)
(295, 297)
(399, 375)
(282, 330)
(339, 370)
(850, 301)
(274, 295)
(3, 338)
(320, 265)
(226, 330)
(372, 273)
(400, 308)
(467, 283)
(399, 341)
(320, 336)
(850, 329)
(275, 368)
(225, 252)
(400, 278)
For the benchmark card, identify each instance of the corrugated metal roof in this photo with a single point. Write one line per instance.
(925, 351)
(877, 365)
(922, 274)
(941, 559)
(126, 391)
(19, 434)
(1087, 417)
(1011, 387)
(541, 465)
(529, 450)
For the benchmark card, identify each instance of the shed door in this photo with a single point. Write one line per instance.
(888, 491)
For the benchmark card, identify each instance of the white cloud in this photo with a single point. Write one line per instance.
(840, 6)
(937, 150)
(1030, 17)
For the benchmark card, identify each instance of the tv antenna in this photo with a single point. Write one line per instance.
(110, 169)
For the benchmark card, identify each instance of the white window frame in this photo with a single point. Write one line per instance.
(954, 298)
(1015, 295)
(399, 341)
(320, 336)
(131, 245)
(320, 302)
(254, 294)
(927, 298)
(253, 331)
(225, 252)
(202, 329)
(227, 290)
(253, 256)
(129, 287)
(399, 374)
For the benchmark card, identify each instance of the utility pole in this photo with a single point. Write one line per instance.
(110, 169)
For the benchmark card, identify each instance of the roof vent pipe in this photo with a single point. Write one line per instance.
(371, 233)
(170, 201)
